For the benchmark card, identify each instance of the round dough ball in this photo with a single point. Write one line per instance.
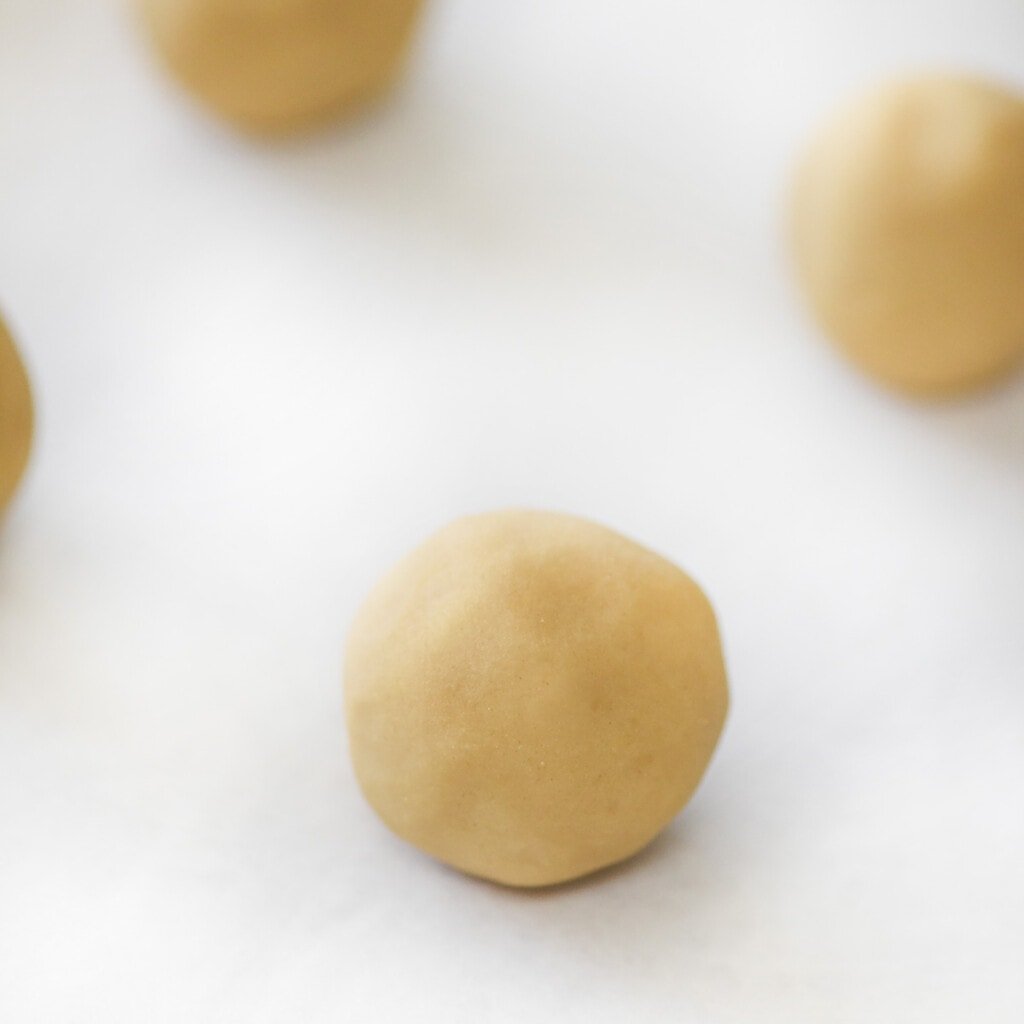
(531, 697)
(275, 65)
(909, 232)
(15, 418)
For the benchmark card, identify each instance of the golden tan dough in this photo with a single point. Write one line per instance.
(15, 418)
(272, 66)
(531, 696)
(908, 229)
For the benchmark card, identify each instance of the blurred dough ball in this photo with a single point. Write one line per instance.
(531, 697)
(909, 232)
(274, 65)
(15, 418)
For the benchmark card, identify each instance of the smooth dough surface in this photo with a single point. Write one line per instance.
(15, 418)
(531, 696)
(276, 65)
(908, 228)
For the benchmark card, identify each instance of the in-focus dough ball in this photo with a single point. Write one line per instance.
(276, 65)
(15, 418)
(909, 232)
(531, 697)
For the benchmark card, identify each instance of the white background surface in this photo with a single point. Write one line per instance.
(548, 273)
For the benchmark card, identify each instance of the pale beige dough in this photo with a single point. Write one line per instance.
(531, 696)
(908, 229)
(275, 65)
(15, 418)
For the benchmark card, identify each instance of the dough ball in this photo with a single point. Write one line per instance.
(274, 65)
(531, 697)
(15, 418)
(909, 232)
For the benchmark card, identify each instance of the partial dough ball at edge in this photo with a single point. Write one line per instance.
(908, 232)
(16, 418)
(272, 67)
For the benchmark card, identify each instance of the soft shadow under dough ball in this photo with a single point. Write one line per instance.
(531, 697)
(15, 418)
(908, 218)
(275, 65)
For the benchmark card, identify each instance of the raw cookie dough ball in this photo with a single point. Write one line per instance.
(909, 232)
(15, 418)
(531, 697)
(274, 65)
